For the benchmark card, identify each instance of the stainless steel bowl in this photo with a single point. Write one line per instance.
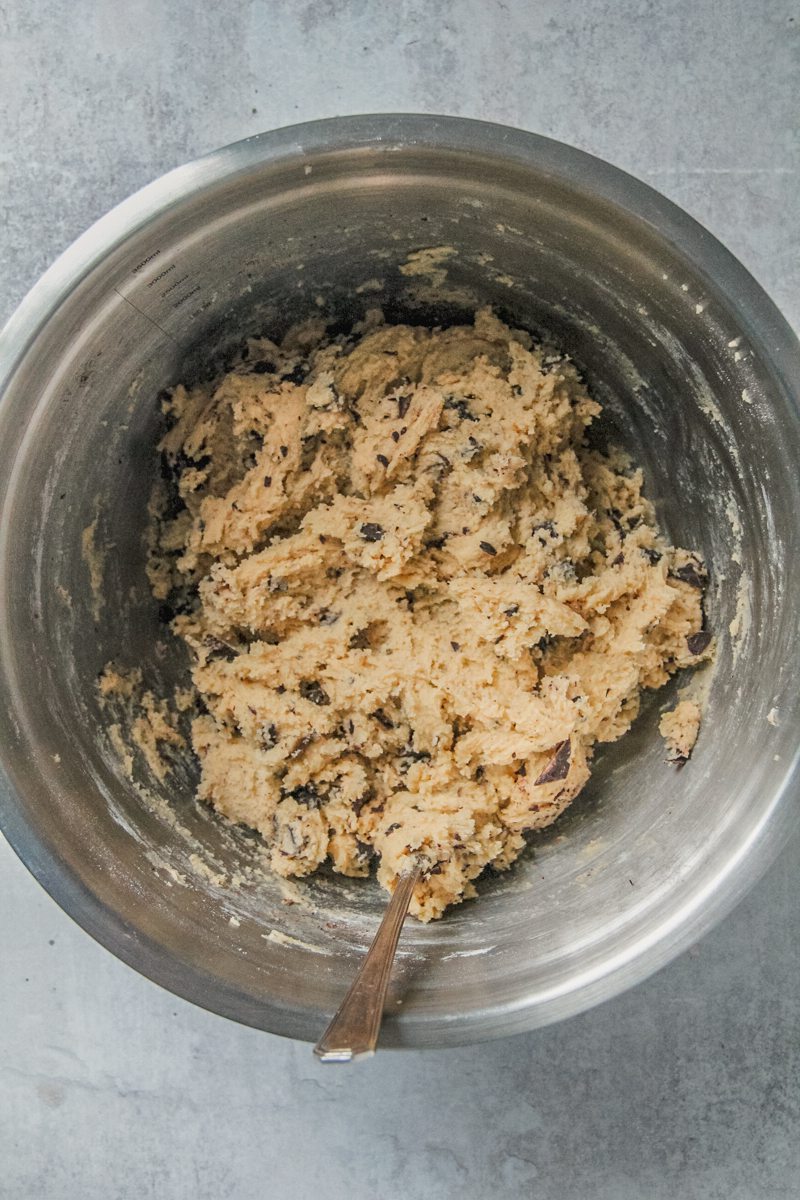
(700, 375)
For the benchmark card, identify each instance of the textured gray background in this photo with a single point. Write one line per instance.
(686, 1087)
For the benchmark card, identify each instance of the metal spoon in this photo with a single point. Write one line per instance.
(353, 1032)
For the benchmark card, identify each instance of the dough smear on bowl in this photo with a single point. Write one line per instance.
(414, 597)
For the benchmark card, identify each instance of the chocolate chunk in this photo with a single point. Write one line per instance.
(284, 451)
(456, 645)
(307, 793)
(691, 573)
(522, 770)
(472, 449)
(436, 543)
(363, 800)
(371, 532)
(698, 642)
(265, 367)
(365, 851)
(460, 406)
(301, 745)
(219, 649)
(382, 459)
(268, 737)
(326, 617)
(360, 640)
(380, 716)
(415, 755)
(403, 405)
(436, 869)
(296, 375)
(652, 556)
(395, 435)
(311, 689)
(558, 767)
(544, 532)
(391, 828)
(616, 519)
(619, 560)
(512, 610)
(267, 481)
(488, 548)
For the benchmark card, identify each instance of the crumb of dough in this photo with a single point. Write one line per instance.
(95, 561)
(679, 729)
(415, 598)
(149, 720)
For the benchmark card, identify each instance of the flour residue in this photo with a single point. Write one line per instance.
(285, 939)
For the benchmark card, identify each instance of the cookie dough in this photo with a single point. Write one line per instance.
(679, 729)
(414, 597)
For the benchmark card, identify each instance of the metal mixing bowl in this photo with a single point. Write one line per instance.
(699, 373)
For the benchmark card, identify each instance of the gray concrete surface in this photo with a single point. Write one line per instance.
(686, 1087)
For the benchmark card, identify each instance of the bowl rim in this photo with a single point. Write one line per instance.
(704, 906)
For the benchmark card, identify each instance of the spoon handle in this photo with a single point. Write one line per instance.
(353, 1032)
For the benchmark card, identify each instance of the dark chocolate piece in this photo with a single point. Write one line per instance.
(371, 532)
(306, 793)
(558, 767)
(219, 649)
(296, 375)
(380, 716)
(301, 745)
(691, 573)
(365, 851)
(461, 407)
(311, 689)
(268, 737)
(698, 642)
